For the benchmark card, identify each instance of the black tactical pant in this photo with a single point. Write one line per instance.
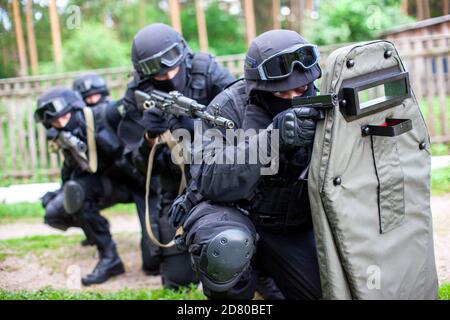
(175, 266)
(290, 258)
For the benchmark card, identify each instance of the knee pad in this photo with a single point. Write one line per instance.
(221, 241)
(55, 215)
(224, 259)
(74, 196)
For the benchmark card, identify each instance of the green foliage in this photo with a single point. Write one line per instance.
(440, 181)
(94, 46)
(11, 212)
(37, 243)
(128, 208)
(190, 293)
(351, 21)
(32, 211)
(225, 31)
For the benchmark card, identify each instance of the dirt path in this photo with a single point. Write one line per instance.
(119, 224)
(62, 268)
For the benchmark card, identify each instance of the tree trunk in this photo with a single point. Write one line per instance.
(32, 50)
(276, 14)
(419, 9)
(201, 25)
(20, 39)
(56, 33)
(426, 9)
(250, 27)
(404, 7)
(174, 13)
(445, 7)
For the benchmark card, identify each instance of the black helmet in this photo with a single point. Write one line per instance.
(280, 60)
(157, 49)
(90, 84)
(56, 102)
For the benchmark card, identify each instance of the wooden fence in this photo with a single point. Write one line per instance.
(23, 146)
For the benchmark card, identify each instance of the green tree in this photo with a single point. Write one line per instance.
(94, 46)
(225, 31)
(349, 21)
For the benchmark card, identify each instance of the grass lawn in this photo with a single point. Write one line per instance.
(444, 291)
(34, 212)
(126, 294)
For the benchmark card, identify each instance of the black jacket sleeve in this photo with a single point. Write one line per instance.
(220, 176)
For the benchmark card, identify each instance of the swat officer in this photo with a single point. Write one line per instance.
(92, 88)
(253, 220)
(95, 93)
(90, 180)
(162, 60)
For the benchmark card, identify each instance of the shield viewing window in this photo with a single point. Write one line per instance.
(373, 93)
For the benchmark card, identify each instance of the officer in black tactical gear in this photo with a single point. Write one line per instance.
(91, 178)
(162, 60)
(256, 219)
(94, 90)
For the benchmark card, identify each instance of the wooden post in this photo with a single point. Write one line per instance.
(56, 33)
(419, 9)
(250, 27)
(276, 14)
(445, 7)
(32, 50)
(174, 13)
(20, 39)
(201, 25)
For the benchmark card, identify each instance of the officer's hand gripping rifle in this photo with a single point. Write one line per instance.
(179, 105)
(77, 148)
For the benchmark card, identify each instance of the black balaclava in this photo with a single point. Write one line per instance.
(177, 83)
(274, 105)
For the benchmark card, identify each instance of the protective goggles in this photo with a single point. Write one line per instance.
(50, 109)
(166, 58)
(89, 84)
(281, 65)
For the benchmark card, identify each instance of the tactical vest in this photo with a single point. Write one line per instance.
(281, 201)
(199, 73)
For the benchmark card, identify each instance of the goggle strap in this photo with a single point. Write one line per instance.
(253, 74)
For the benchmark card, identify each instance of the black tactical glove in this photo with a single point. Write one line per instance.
(181, 122)
(179, 211)
(297, 126)
(155, 122)
(52, 133)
